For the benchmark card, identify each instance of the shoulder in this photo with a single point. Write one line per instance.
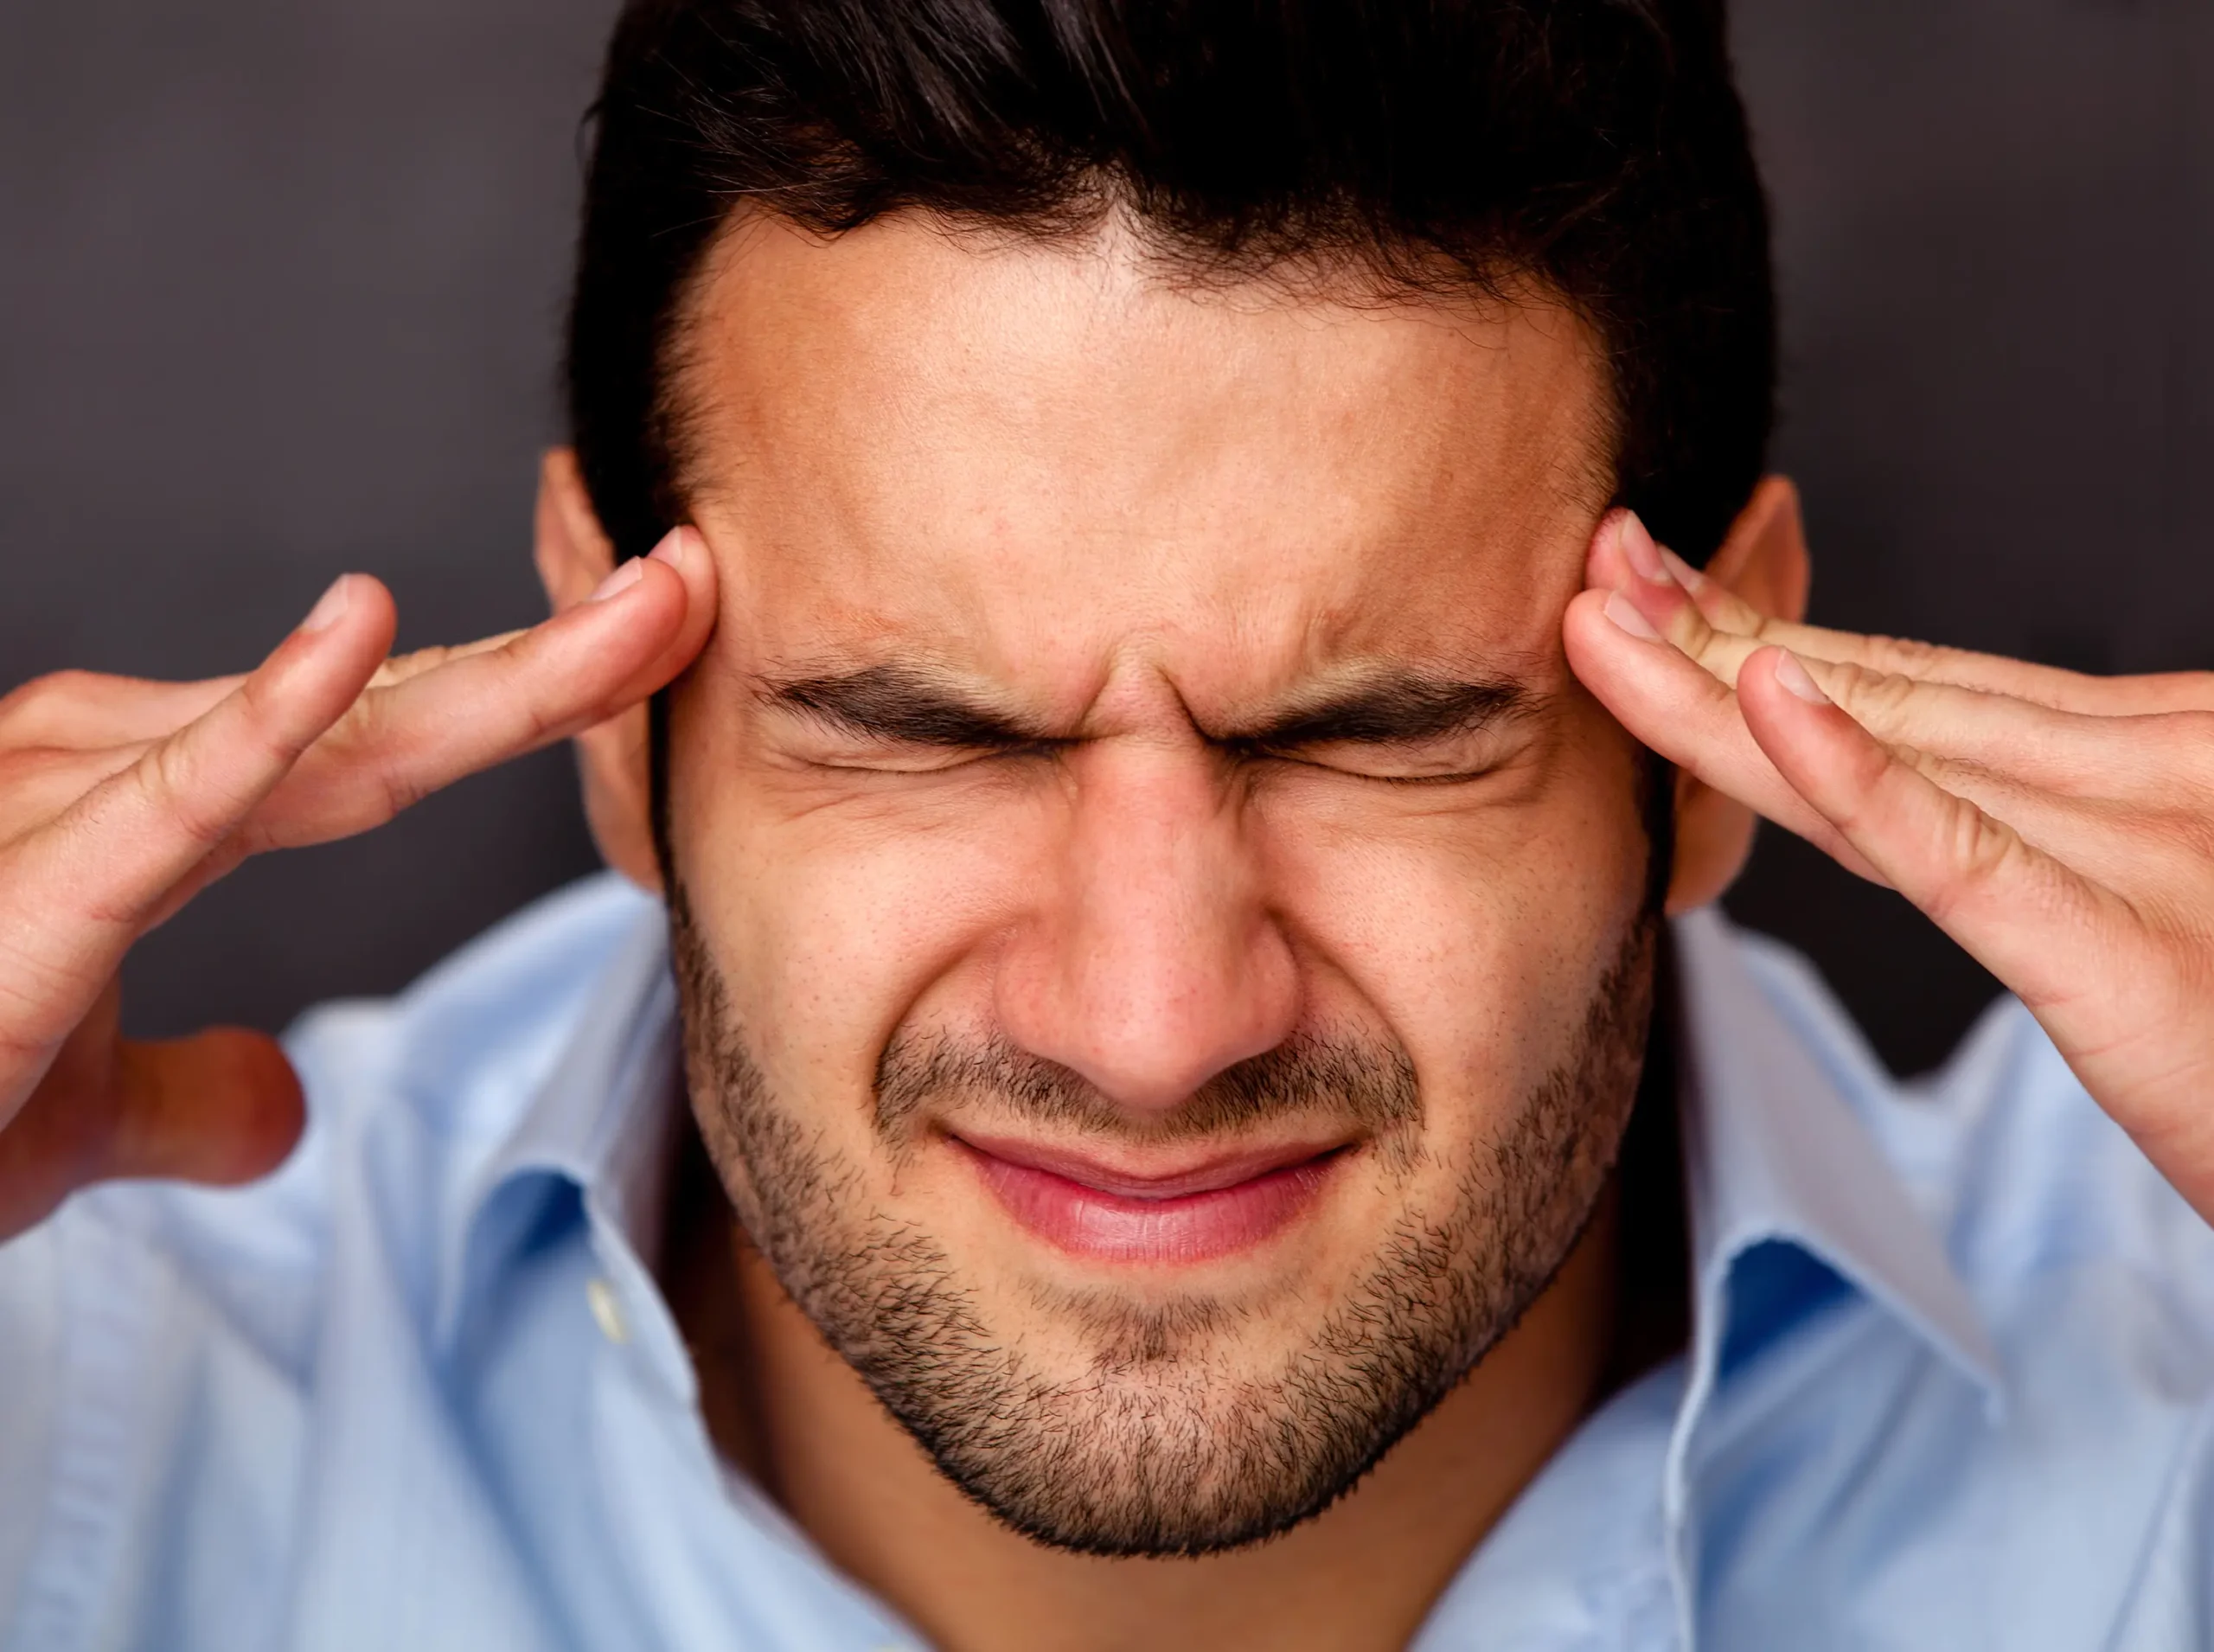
(459, 1056)
(164, 1347)
(2021, 1173)
(404, 1095)
(2094, 1284)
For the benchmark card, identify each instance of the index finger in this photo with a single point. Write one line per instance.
(480, 706)
(1722, 631)
(78, 889)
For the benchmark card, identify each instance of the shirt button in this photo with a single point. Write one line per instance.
(606, 1312)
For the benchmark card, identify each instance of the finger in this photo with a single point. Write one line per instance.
(2029, 744)
(1623, 556)
(402, 667)
(2035, 924)
(222, 1107)
(1694, 718)
(1686, 714)
(78, 887)
(36, 786)
(478, 707)
(87, 708)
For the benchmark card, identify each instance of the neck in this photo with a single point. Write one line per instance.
(1363, 1574)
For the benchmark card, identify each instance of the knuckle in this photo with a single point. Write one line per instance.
(174, 775)
(397, 790)
(26, 710)
(1978, 853)
(401, 667)
(1871, 693)
(1904, 656)
(262, 729)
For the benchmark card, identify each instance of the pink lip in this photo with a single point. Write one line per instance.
(1109, 1213)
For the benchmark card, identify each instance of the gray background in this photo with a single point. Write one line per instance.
(279, 288)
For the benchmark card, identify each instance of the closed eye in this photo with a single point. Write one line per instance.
(1424, 763)
(914, 757)
(1400, 726)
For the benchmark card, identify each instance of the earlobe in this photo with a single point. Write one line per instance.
(1763, 563)
(573, 555)
(1714, 836)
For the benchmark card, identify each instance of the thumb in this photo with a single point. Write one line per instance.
(222, 1106)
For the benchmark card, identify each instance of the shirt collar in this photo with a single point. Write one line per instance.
(1774, 1149)
(599, 1121)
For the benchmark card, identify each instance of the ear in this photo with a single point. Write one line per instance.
(1764, 563)
(573, 555)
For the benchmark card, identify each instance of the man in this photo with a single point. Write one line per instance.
(1142, 529)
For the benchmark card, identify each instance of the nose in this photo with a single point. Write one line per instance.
(1151, 961)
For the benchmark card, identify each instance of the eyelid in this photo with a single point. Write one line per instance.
(1471, 752)
(930, 757)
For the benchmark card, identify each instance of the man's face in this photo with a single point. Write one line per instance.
(1164, 935)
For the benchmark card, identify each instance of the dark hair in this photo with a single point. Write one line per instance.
(1597, 145)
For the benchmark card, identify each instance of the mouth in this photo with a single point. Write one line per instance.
(1195, 1212)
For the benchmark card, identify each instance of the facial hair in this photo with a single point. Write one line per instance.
(1162, 1446)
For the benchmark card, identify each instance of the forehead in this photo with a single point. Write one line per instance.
(905, 440)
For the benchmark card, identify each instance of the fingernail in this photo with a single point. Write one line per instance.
(1638, 550)
(619, 581)
(1793, 675)
(330, 607)
(672, 549)
(1623, 612)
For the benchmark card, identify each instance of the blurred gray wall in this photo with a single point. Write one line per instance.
(279, 288)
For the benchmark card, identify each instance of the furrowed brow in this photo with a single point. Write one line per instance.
(904, 703)
(1399, 708)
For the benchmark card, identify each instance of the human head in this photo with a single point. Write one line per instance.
(1596, 145)
(1146, 458)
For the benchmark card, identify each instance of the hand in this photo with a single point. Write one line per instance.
(120, 800)
(2059, 827)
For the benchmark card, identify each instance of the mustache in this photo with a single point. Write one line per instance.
(1370, 1083)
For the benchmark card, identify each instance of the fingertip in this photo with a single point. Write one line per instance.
(1791, 674)
(1586, 631)
(1773, 664)
(1604, 565)
(683, 549)
(351, 597)
(330, 607)
(676, 546)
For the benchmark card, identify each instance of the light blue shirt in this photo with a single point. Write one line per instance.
(1949, 1385)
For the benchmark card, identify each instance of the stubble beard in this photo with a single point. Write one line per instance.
(1163, 1445)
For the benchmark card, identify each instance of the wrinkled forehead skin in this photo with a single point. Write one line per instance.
(1053, 467)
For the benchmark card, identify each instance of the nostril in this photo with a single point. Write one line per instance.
(1151, 1027)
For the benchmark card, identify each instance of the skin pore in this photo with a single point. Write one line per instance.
(1135, 713)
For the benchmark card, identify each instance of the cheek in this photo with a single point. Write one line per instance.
(1476, 940)
(836, 920)
(1460, 932)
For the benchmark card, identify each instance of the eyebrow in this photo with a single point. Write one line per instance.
(908, 704)
(916, 705)
(1392, 707)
